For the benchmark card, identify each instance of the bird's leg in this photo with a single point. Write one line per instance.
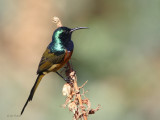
(67, 80)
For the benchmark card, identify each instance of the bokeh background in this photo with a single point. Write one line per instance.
(119, 55)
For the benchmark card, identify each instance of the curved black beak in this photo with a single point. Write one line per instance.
(78, 28)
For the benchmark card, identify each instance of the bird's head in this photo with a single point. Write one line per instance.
(64, 33)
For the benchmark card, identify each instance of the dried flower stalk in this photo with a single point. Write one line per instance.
(77, 103)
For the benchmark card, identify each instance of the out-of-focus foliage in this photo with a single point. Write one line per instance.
(119, 54)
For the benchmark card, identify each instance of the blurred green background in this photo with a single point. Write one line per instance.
(119, 55)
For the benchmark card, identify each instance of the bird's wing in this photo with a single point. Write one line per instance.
(48, 59)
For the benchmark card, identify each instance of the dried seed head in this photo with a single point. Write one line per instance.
(72, 107)
(57, 21)
(66, 91)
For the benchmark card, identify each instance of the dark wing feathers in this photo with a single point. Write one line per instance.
(48, 59)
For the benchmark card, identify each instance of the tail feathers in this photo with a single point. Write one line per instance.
(40, 76)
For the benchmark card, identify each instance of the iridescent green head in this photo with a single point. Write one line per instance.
(64, 33)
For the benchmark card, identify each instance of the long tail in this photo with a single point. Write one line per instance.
(40, 76)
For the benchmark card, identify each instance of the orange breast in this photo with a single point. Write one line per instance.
(67, 56)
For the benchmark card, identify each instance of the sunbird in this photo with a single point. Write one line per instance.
(57, 54)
